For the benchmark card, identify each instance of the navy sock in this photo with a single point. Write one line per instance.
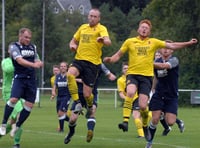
(23, 116)
(91, 123)
(7, 112)
(164, 124)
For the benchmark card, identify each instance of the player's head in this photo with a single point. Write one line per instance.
(63, 67)
(144, 29)
(56, 69)
(94, 17)
(157, 54)
(124, 67)
(165, 51)
(25, 36)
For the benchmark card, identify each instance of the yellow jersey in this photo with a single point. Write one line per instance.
(52, 81)
(89, 49)
(141, 54)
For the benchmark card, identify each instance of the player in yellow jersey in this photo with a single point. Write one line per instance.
(56, 70)
(129, 104)
(141, 51)
(87, 43)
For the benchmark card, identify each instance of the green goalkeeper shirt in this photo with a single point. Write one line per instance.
(8, 71)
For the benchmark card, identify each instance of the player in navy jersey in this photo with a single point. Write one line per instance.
(25, 60)
(165, 98)
(63, 96)
(166, 127)
(91, 120)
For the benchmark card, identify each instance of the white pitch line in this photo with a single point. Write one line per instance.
(107, 139)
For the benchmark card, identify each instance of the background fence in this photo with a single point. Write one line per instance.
(186, 96)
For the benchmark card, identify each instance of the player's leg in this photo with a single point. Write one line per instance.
(127, 109)
(7, 112)
(180, 124)
(137, 118)
(166, 127)
(91, 122)
(72, 123)
(62, 105)
(72, 73)
(14, 116)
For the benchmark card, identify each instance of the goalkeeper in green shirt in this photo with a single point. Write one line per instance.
(8, 70)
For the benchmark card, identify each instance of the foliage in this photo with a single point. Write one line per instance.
(176, 21)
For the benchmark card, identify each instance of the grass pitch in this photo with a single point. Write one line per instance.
(39, 131)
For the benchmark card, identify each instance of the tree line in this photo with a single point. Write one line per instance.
(174, 20)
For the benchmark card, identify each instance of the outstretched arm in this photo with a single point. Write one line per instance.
(73, 45)
(178, 45)
(113, 58)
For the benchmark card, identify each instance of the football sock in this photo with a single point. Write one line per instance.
(138, 124)
(61, 123)
(17, 136)
(91, 123)
(144, 115)
(72, 128)
(73, 88)
(178, 121)
(89, 100)
(8, 128)
(7, 111)
(164, 123)
(127, 108)
(23, 115)
(152, 129)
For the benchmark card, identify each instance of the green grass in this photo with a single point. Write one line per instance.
(40, 129)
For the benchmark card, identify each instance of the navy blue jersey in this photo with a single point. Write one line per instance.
(27, 52)
(167, 85)
(62, 85)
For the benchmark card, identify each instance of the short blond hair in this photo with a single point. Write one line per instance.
(147, 22)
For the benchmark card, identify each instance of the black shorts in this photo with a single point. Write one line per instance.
(143, 83)
(88, 71)
(136, 104)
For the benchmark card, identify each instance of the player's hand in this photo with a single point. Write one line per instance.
(38, 64)
(52, 97)
(73, 47)
(107, 60)
(100, 39)
(193, 41)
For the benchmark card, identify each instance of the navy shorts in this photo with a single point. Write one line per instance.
(143, 83)
(88, 71)
(62, 103)
(24, 88)
(164, 104)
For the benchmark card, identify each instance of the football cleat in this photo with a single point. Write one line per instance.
(123, 126)
(147, 133)
(3, 130)
(68, 137)
(181, 126)
(148, 145)
(78, 109)
(89, 135)
(166, 131)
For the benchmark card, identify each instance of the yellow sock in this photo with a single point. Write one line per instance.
(73, 88)
(89, 100)
(138, 124)
(127, 108)
(144, 115)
